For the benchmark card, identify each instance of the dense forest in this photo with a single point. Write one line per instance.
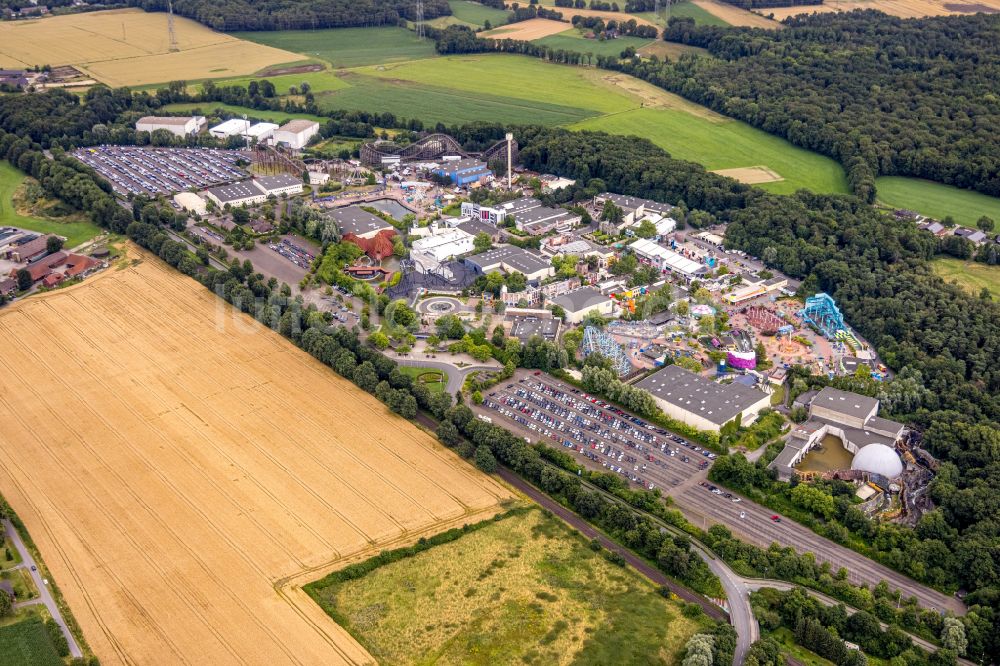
(233, 15)
(883, 95)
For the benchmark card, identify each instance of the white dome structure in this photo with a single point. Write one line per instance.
(878, 459)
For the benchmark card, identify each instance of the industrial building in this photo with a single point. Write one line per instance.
(177, 125)
(231, 127)
(652, 253)
(295, 134)
(579, 302)
(466, 171)
(511, 259)
(191, 202)
(754, 290)
(280, 184)
(441, 246)
(255, 191)
(361, 223)
(525, 328)
(850, 417)
(701, 402)
(261, 132)
(663, 225)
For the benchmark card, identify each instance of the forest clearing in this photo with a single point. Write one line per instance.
(183, 469)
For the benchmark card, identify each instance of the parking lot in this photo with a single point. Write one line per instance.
(293, 252)
(599, 435)
(155, 171)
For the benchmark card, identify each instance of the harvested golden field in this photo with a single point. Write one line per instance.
(900, 8)
(735, 15)
(654, 97)
(527, 30)
(183, 470)
(130, 47)
(751, 175)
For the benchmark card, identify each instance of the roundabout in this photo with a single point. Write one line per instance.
(438, 306)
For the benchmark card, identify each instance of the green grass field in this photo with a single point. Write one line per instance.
(253, 114)
(726, 145)
(348, 47)
(27, 643)
(512, 76)
(476, 14)
(523, 589)
(937, 200)
(427, 374)
(969, 275)
(75, 232)
(443, 104)
(573, 40)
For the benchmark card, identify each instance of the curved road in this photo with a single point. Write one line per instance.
(456, 375)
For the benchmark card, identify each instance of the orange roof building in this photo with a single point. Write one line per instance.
(378, 247)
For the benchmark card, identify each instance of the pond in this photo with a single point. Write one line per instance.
(393, 208)
(829, 455)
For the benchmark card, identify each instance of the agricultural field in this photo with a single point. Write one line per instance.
(184, 470)
(475, 14)
(27, 643)
(347, 47)
(76, 232)
(527, 31)
(443, 103)
(671, 50)
(573, 40)
(688, 9)
(524, 588)
(256, 114)
(718, 142)
(733, 15)
(900, 8)
(937, 200)
(123, 47)
(970, 275)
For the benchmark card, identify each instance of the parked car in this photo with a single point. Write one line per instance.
(776, 518)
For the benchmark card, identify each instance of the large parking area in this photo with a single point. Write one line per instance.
(155, 171)
(599, 435)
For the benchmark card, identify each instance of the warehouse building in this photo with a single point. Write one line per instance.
(579, 302)
(177, 125)
(191, 202)
(465, 171)
(702, 403)
(511, 259)
(295, 134)
(278, 185)
(231, 127)
(432, 250)
(261, 132)
(238, 194)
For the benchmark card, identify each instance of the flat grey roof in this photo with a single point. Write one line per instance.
(717, 403)
(353, 220)
(281, 180)
(473, 226)
(236, 191)
(852, 404)
(633, 203)
(524, 328)
(540, 214)
(518, 258)
(464, 164)
(580, 299)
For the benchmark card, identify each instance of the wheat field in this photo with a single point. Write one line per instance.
(184, 470)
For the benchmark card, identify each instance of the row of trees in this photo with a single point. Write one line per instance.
(304, 15)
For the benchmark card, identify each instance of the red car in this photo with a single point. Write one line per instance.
(776, 518)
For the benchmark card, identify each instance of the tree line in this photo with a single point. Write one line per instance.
(232, 15)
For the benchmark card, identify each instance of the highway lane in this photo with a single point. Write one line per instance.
(680, 481)
(703, 508)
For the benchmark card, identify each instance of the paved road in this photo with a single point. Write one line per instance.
(456, 375)
(680, 480)
(43, 589)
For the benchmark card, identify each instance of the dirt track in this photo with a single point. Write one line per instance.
(183, 470)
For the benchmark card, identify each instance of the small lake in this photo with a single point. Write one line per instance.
(390, 207)
(830, 455)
